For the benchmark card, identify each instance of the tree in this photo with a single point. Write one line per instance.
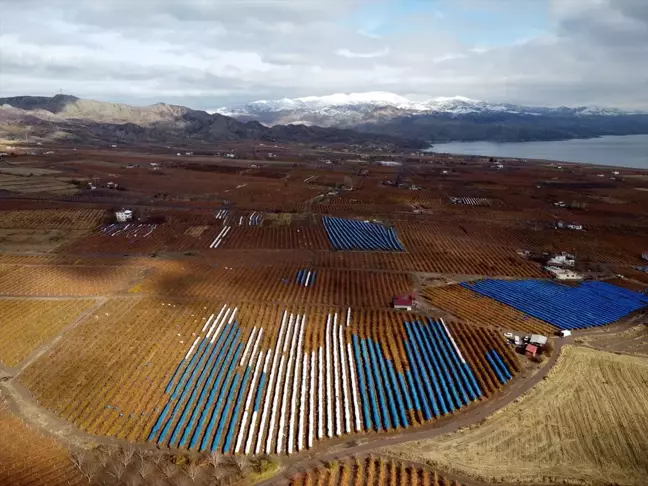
(117, 470)
(193, 471)
(127, 455)
(216, 459)
(144, 468)
(168, 469)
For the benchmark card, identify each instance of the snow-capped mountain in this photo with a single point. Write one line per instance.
(346, 110)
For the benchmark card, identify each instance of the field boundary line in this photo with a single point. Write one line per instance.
(43, 348)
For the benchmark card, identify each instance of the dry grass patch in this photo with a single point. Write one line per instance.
(42, 240)
(587, 423)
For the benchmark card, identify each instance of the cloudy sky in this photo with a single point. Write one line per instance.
(210, 53)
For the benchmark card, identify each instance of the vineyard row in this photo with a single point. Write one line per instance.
(368, 472)
(230, 395)
(252, 360)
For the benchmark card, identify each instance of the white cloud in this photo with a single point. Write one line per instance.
(210, 53)
(361, 55)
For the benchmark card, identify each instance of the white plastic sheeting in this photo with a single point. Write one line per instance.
(275, 400)
(454, 344)
(273, 371)
(296, 382)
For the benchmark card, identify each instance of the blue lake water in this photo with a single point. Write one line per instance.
(617, 151)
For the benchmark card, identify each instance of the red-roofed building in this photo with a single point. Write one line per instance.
(403, 303)
(530, 351)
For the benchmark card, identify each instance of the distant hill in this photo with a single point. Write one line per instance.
(443, 119)
(68, 118)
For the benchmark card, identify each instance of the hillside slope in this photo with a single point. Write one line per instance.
(67, 118)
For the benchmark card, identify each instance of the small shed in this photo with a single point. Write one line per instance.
(403, 303)
(538, 339)
(124, 215)
(530, 351)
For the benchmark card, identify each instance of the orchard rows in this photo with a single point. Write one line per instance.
(262, 378)
(369, 471)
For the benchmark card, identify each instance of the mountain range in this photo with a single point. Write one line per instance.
(442, 119)
(67, 118)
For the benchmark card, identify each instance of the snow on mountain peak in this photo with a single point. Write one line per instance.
(368, 98)
(348, 109)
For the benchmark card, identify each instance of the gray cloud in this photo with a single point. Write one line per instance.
(209, 53)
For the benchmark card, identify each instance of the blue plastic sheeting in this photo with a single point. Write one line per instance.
(303, 278)
(496, 369)
(439, 381)
(500, 364)
(590, 304)
(221, 347)
(219, 399)
(233, 347)
(361, 383)
(350, 234)
(259, 392)
(237, 410)
(436, 382)
(202, 374)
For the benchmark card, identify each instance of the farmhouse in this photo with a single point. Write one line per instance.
(403, 303)
(530, 351)
(124, 215)
(563, 274)
(538, 340)
(564, 259)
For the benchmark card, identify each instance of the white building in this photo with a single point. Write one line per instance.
(124, 215)
(538, 339)
(564, 259)
(563, 274)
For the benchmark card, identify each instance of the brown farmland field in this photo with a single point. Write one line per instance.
(108, 376)
(277, 283)
(474, 308)
(587, 423)
(26, 324)
(368, 472)
(40, 240)
(27, 457)
(36, 184)
(51, 218)
(65, 280)
(279, 238)
(430, 261)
